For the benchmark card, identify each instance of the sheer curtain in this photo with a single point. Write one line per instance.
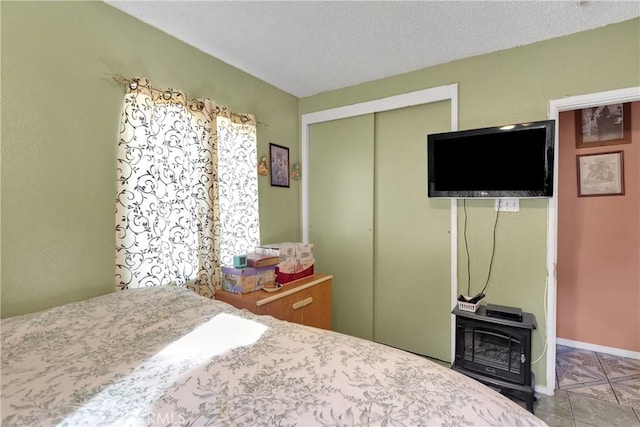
(187, 189)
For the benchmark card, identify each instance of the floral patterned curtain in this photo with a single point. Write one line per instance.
(187, 191)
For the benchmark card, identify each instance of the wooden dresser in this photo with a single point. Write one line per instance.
(306, 301)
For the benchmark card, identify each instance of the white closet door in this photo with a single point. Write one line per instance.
(341, 217)
(412, 266)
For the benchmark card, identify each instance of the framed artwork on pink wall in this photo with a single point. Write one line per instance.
(603, 125)
(601, 174)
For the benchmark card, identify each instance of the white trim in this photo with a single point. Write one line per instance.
(599, 348)
(454, 238)
(545, 389)
(426, 96)
(555, 107)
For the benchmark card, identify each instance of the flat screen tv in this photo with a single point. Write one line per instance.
(513, 161)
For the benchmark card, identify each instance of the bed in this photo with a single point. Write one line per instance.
(167, 356)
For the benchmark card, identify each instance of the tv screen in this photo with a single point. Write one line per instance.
(508, 161)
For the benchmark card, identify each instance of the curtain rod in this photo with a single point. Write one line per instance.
(123, 81)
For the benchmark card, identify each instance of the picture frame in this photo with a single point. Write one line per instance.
(600, 174)
(603, 125)
(279, 160)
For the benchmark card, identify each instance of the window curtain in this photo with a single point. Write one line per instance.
(187, 189)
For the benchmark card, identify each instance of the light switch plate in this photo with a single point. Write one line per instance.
(508, 205)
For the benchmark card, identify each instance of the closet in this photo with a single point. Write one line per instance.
(386, 244)
(341, 217)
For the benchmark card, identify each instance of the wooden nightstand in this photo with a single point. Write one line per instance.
(306, 301)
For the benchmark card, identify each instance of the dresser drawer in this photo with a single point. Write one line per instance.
(306, 301)
(310, 306)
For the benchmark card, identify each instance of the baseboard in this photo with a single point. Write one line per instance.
(599, 348)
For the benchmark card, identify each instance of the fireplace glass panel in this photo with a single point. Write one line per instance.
(493, 349)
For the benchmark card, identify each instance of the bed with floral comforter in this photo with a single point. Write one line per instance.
(166, 356)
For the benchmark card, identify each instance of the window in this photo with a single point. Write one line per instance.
(187, 190)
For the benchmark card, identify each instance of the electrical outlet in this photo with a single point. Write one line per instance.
(508, 205)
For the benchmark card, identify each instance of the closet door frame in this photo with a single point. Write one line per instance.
(426, 96)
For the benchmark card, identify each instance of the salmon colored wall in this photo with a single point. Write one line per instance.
(599, 248)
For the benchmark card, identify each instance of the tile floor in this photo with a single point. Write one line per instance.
(592, 389)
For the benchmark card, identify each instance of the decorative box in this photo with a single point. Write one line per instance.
(295, 260)
(286, 250)
(248, 279)
(284, 278)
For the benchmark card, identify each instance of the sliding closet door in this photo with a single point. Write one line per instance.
(341, 217)
(412, 279)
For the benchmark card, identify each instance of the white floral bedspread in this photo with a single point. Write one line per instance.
(166, 356)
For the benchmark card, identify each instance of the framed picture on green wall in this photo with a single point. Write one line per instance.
(279, 159)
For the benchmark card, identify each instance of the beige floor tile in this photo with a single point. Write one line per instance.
(582, 358)
(554, 420)
(598, 412)
(627, 392)
(599, 391)
(616, 367)
(557, 404)
(570, 371)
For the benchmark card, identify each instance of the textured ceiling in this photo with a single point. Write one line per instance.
(305, 47)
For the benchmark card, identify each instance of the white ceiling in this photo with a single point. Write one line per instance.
(308, 47)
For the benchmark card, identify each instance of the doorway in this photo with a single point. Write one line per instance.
(555, 107)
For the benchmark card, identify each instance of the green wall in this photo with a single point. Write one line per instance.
(60, 123)
(513, 86)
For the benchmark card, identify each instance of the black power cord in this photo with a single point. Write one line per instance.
(466, 244)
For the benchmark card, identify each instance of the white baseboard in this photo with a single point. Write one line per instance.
(543, 389)
(599, 348)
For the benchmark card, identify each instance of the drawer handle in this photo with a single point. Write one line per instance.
(305, 302)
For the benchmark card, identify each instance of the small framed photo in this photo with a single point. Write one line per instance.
(600, 174)
(279, 158)
(603, 125)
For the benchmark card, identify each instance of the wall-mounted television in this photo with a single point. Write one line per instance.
(510, 161)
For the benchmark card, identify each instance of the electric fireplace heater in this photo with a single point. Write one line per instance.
(496, 352)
